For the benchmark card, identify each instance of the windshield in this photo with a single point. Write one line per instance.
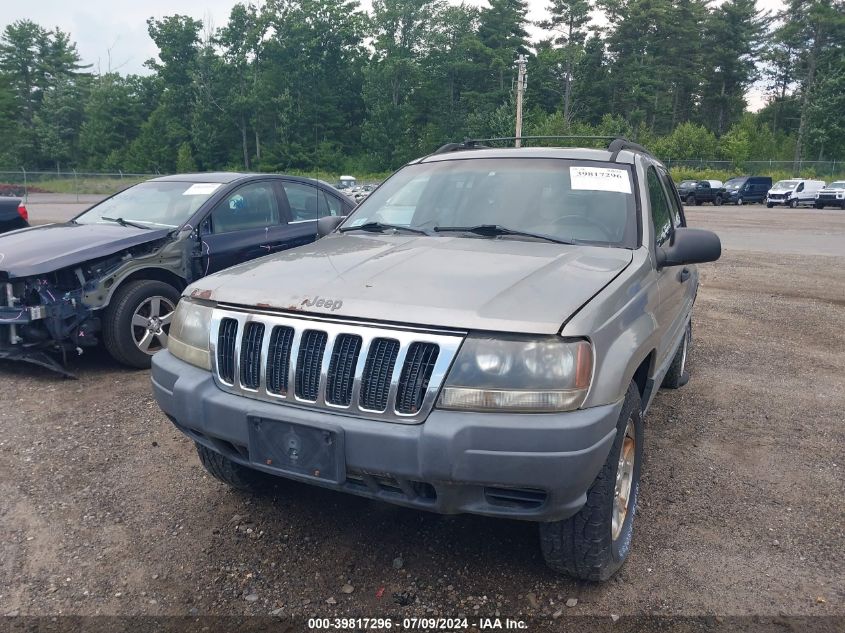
(686, 184)
(736, 183)
(839, 184)
(573, 201)
(155, 204)
(783, 185)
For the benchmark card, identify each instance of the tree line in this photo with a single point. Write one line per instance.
(321, 84)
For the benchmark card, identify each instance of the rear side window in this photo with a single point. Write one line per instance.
(302, 200)
(660, 215)
(329, 205)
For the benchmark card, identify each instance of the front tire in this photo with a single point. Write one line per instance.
(818, 206)
(718, 201)
(793, 204)
(690, 199)
(769, 205)
(594, 543)
(137, 321)
(739, 202)
(231, 473)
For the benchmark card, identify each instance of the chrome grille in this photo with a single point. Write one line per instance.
(359, 369)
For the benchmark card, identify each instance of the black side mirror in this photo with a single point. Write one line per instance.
(689, 246)
(328, 224)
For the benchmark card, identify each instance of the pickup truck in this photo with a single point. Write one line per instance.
(483, 334)
(697, 191)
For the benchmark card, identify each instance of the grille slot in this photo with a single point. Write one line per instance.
(250, 364)
(416, 373)
(278, 359)
(375, 383)
(342, 369)
(226, 339)
(308, 364)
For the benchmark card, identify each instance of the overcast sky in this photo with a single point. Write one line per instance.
(112, 34)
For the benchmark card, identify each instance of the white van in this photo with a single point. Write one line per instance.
(794, 192)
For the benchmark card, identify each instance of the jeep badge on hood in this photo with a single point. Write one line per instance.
(322, 302)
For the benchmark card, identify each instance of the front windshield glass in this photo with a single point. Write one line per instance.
(577, 201)
(736, 183)
(782, 185)
(686, 184)
(162, 204)
(839, 184)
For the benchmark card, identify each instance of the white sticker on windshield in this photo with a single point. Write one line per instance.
(201, 189)
(600, 179)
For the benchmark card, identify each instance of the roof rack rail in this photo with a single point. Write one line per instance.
(616, 145)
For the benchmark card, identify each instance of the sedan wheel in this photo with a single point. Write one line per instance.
(151, 323)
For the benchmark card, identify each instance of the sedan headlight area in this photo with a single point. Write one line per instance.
(519, 374)
(188, 338)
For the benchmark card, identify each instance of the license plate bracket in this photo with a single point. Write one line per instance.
(308, 451)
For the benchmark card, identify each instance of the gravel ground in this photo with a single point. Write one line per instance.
(106, 510)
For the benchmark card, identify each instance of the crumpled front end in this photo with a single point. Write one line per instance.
(44, 314)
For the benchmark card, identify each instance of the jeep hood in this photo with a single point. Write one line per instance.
(42, 249)
(454, 282)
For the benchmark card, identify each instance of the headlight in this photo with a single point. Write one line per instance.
(188, 338)
(522, 374)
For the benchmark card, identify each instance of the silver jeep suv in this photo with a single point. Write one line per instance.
(482, 334)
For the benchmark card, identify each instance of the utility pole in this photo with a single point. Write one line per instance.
(520, 91)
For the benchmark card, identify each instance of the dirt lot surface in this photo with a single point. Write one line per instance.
(106, 510)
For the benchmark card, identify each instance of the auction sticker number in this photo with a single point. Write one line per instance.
(600, 179)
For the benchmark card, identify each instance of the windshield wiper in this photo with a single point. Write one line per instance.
(495, 230)
(379, 227)
(123, 222)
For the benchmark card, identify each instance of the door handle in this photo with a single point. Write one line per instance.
(684, 274)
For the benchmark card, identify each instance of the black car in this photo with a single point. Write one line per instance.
(13, 215)
(116, 271)
(745, 189)
(698, 191)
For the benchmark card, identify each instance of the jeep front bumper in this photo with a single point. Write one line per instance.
(523, 466)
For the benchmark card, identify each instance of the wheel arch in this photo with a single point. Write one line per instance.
(153, 273)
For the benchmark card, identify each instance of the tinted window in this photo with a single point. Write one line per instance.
(252, 206)
(659, 207)
(302, 200)
(674, 205)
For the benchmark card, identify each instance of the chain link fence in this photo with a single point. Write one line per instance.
(66, 186)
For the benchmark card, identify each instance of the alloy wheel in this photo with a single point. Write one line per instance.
(151, 323)
(624, 480)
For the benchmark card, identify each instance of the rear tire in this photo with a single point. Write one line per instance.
(125, 335)
(677, 375)
(594, 543)
(231, 473)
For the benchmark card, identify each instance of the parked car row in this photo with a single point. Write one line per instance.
(793, 193)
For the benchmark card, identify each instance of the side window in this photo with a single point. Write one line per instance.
(659, 207)
(329, 205)
(302, 200)
(674, 202)
(800, 187)
(252, 206)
